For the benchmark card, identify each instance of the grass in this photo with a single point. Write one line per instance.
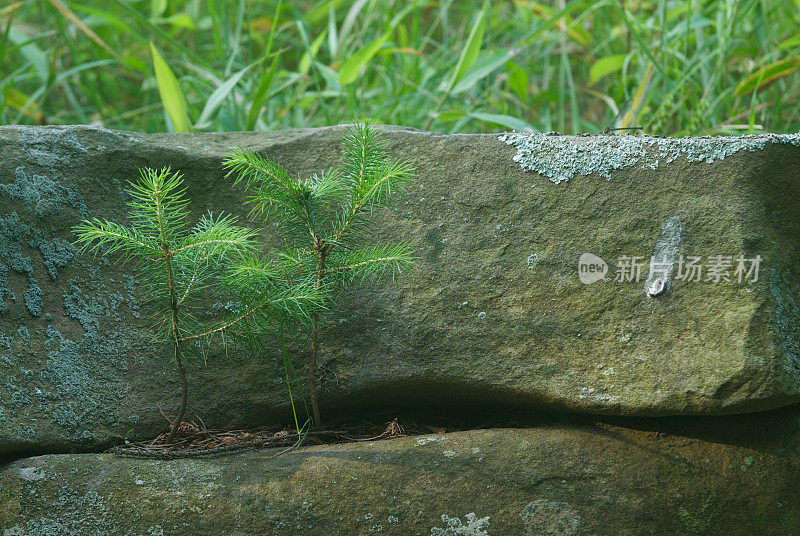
(684, 67)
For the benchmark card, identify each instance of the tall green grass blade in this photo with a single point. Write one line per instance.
(469, 54)
(353, 65)
(112, 20)
(164, 35)
(330, 76)
(350, 19)
(263, 86)
(74, 19)
(642, 45)
(219, 95)
(319, 12)
(267, 73)
(171, 95)
(215, 26)
(605, 66)
(31, 52)
(7, 12)
(286, 370)
(10, 9)
(518, 81)
(311, 49)
(157, 8)
(552, 21)
(333, 35)
(767, 75)
(233, 49)
(638, 98)
(487, 63)
(472, 48)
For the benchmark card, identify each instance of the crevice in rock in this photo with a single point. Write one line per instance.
(758, 430)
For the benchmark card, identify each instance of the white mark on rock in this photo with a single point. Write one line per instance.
(31, 474)
(429, 439)
(664, 254)
(591, 394)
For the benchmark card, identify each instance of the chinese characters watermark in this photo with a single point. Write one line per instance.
(690, 268)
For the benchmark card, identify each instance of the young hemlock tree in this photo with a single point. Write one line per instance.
(325, 219)
(177, 265)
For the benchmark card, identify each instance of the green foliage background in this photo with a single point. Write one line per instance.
(689, 67)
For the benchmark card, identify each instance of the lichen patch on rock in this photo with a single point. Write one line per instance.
(560, 158)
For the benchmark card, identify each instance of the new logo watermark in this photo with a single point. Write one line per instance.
(691, 268)
(591, 268)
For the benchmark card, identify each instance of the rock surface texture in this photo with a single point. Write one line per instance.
(559, 480)
(493, 312)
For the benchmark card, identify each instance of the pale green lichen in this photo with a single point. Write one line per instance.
(43, 195)
(13, 234)
(75, 513)
(24, 334)
(474, 526)
(86, 391)
(4, 290)
(57, 253)
(31, 474)
(73, 388)
(560, 158)
(33, 298)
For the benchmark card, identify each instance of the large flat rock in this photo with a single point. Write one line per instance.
(494, 310)
(558, 480)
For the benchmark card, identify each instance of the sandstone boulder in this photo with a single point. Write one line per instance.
(559, 479)
(495, 310)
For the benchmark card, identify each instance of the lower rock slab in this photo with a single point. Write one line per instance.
(737, 475)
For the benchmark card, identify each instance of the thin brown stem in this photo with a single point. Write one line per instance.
(177, 347)
(167, 255)
(184, 393)
(312, 366)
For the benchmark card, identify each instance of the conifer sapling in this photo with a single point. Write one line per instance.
(178, 265)
(325, 219)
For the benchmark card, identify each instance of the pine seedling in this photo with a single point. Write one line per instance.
(325, 220)
(178, 265)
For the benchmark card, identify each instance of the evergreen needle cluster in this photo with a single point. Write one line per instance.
(178, 265)
(326, 221)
